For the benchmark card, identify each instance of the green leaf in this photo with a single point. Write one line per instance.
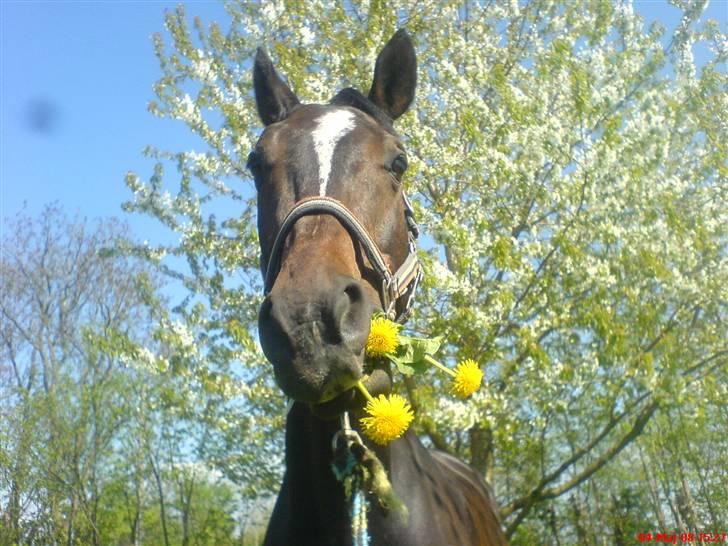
(401, 365)
(410, 356)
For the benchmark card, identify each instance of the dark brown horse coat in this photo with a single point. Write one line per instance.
(314, 321)
(448, 502)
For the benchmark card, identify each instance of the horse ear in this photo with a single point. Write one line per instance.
(274, 98)
(395, 75)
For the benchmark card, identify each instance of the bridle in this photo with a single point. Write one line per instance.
(400, 284)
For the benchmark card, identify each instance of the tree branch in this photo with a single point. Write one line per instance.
(540, 493)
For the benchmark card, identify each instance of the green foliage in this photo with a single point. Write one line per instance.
(94, 436)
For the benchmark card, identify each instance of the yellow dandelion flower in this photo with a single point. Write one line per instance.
(388, 418)
(468, 378)
(382, 337)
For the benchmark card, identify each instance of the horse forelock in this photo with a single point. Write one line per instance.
(355, 99)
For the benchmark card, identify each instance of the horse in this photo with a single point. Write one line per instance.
(334, 224)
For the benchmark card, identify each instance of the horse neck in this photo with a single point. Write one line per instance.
(308, 445)
(316, 498)
(317, 512)
(309, 481)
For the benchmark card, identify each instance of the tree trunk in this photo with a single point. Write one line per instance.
(136, 526)
(620, 535)
(654, 492)
(481, 452)
(71, 517)
(160, 494)
(186, 484)
(554, 527)
(578, 526)
(12, 515)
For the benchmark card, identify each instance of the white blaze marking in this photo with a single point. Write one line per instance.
(329, 130)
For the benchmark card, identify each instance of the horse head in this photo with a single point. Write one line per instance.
(331, 220)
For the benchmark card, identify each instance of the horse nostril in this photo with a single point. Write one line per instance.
(355, 293)
(354, 322)
(273, 330)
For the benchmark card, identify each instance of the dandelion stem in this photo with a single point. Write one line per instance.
(435, 363)
(364, 391)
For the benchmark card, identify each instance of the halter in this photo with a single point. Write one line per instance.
(401, 283)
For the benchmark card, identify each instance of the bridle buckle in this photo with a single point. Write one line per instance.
(390, 287)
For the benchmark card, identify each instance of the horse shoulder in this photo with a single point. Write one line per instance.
(472, 499)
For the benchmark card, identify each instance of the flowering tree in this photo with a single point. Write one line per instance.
(63, 398)
(568, 168)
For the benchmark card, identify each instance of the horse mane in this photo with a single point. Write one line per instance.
(354, 98)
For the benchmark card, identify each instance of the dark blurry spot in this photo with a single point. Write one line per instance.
(42, 116)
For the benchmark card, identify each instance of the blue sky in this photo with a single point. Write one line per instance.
(75, 79)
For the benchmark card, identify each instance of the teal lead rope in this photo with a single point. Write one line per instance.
(359, 470)
(351, 475)
(358, 513)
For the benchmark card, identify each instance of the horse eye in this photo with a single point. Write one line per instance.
(399, 165)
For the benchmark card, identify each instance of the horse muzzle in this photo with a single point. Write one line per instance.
(315, 337)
